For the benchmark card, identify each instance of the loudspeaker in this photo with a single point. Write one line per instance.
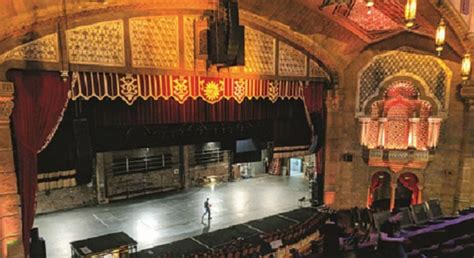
(34, 234)
(37, 245)
(83, 151)
(347, 157)
(38, 248)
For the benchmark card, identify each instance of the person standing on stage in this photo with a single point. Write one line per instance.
(390, 242)
(207, 207)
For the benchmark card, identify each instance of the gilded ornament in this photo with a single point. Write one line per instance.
(180, 89)
(212, 91)
(291, 61)
(43, 49)
(240, 90)
(101, 43)
(273, 91)
(155, 42)
(129, 88)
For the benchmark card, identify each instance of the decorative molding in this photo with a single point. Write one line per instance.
(317, 71)
(427, 69)
(189, 41)
(397, 160)
(44, 49)
(130, 87)
(260, 50)
(291, 61)
(100, 43)
(328, 59)
(155, 42)
(6, 101)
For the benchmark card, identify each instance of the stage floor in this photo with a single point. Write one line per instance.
(160, 219)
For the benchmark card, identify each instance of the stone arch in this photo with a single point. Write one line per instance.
(408, 190)
(379, 190)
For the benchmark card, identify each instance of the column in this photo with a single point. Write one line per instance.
(464, 195)
(382, 122)
(393, 189)
(364, 131)
(420, 194)
(10, 213)
(433, 131)
(412, 133)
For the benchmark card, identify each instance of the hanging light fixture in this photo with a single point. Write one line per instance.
(466, 67)
(440, 36)
(410, 13)
(369, 4)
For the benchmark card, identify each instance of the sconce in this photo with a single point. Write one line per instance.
(440, 36)
(410, 13)
(466, 67)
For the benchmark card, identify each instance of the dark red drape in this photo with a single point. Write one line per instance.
(377, 181)
(314, 102)
(410, 181)
(40, 100)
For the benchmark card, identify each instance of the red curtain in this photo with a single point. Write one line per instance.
(377, 181)
(410, 181)
(40, 100)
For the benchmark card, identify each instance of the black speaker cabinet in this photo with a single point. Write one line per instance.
(83, 151)
(38, 248)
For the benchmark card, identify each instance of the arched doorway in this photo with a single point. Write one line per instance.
(407, 191)
(379, 191)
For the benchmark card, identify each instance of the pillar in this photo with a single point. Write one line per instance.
(10, 213)
(420, 194)
(393, 189)
(464, 196)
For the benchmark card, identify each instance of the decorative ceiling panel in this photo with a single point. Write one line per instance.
(291, 61)
(259, 52)
(43, 49)
(373, 21)
(155, 42)
(101, 43)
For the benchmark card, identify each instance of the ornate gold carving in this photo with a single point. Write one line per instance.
(316, 71)
(129, 87)
(291, 61)
(155, 41)
(6, 89)
(6, 101)
(43, 49)
(259, 52)
(189, 43)
(240, 90)
(212, 91)
(429, 71)
(180, 89)
(101, 43)
(273, 91)
(304, 41)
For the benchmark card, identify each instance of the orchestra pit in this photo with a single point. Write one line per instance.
(236, 128)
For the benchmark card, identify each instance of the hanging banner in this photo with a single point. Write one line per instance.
(131, 87)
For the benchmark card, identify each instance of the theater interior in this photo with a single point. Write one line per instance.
(119, 118)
